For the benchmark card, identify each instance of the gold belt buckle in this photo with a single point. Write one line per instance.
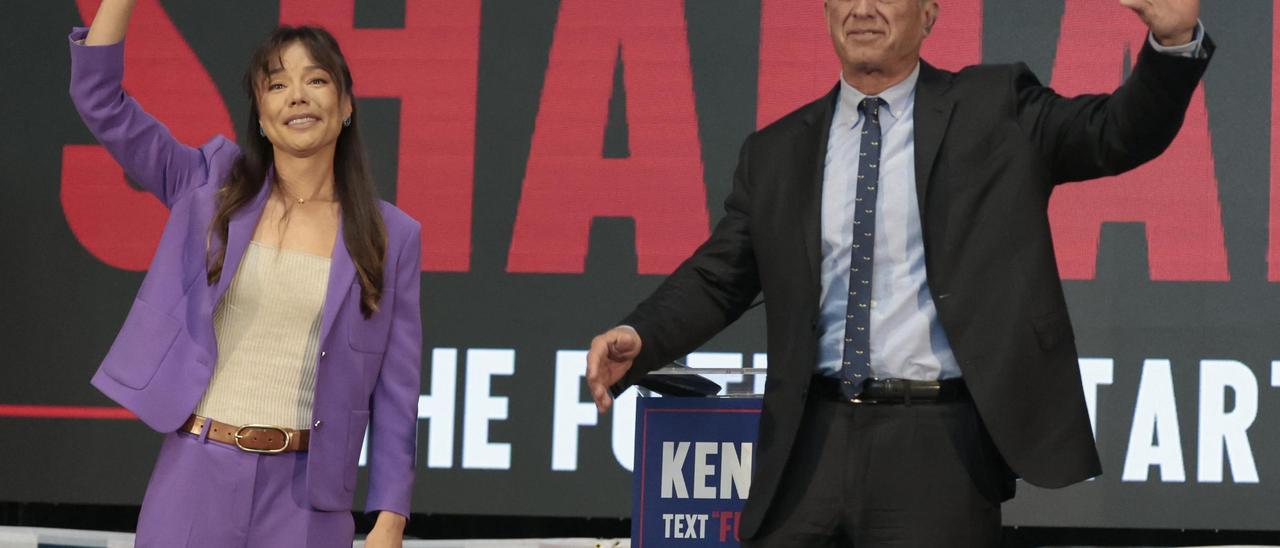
(239, 435)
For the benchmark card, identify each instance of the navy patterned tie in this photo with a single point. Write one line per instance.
(855, 367)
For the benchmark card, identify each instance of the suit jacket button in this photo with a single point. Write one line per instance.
(316, 425)
(323, 353)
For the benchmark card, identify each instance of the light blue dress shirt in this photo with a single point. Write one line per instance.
(907, 340)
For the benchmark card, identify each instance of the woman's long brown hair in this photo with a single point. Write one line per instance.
(362, 227)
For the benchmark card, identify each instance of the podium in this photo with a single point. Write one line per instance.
(693, 460)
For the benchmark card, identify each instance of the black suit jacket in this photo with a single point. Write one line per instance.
(991, 143)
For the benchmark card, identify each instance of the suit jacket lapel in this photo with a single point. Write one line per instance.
(812, 152)
(932, 115)
(239, 232)
(341, 273)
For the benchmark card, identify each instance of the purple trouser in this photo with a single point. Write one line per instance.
(207, 494)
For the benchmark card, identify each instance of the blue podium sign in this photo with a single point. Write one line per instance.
(693, 465)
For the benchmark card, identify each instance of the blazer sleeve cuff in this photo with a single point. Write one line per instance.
(398, 507)
(102, 62)
(1174, 75)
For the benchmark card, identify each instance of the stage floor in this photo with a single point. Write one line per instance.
(39, 537)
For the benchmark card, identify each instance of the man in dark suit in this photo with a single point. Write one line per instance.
(920, 352)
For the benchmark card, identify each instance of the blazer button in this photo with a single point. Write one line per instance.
(323, 353)
(316, 425)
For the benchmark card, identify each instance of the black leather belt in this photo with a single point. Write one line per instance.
(892, 391)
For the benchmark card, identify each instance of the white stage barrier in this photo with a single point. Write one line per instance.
(34, 537)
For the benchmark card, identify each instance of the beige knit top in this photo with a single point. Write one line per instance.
(268, 331)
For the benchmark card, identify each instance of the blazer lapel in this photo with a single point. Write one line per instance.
(812, 153)
(932, 115)
(239, 232)
(341, 273)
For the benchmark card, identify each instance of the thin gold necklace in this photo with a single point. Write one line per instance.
(292, 196)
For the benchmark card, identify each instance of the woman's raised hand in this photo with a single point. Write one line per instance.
(110, 22)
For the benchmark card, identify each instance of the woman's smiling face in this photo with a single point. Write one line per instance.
(300, 107)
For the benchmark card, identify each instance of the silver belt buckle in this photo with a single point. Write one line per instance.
(858, 400)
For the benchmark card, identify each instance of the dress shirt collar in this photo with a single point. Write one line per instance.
(898, 97)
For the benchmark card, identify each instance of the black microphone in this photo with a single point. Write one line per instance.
(683, 384)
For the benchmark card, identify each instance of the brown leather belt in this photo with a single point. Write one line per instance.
(254, 438)
(892, 391)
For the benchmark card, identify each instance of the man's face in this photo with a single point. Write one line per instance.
(879, 35)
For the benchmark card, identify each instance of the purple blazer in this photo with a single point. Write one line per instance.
(162, 359)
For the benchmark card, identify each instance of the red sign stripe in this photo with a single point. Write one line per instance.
(65, 412)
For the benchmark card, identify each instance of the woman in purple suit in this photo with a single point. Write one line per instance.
(280, 315)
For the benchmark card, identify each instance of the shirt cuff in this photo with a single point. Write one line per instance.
(1190, 50)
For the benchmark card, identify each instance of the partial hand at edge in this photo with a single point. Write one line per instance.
(387, 532)
(611, 356)
(1172, 22)
(110, 22)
